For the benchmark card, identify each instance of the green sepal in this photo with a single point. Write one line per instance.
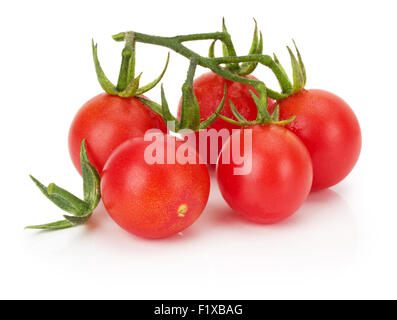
(105, 83)
(228, 49)
(287, 86)
(131, 89)
(63, 224)
(235, 122)
(256, 48)
(211, 50)
(59, 201)
(285, 122)
(236, 113)
(80, 209)
(276, 113)
(254, 44)
(78, 220)
(167, 115)
(225, 51)
(248, 68)
(297, 74)
(263, 114)
(152, 84)
(206, 123)
(301, 64)
(91, 180)
(155, 107)
(79, 206)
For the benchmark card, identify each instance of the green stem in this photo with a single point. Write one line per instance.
(190, 114)
(200, 36)
(175, 44)
(127, 68)
(191, 71)
(265, 60)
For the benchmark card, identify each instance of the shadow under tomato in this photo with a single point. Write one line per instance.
(324, 204)
(98, 218)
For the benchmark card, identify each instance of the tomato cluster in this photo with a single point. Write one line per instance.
(298, 141)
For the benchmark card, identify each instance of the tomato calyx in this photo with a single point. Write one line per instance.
(190, 111)
(263, 116)
(298, 71)
(244, 68)
(127, 85)
(81, 210)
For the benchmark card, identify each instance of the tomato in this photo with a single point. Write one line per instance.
(153, 200)
(209, 90)
(105, 122)
(329, 129)
(279, 180)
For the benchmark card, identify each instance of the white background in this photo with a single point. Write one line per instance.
(340, 244)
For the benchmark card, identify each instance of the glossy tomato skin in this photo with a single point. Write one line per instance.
(280, 179)
(209, 90)
(329, 129)
(105, 122)
(153, 200)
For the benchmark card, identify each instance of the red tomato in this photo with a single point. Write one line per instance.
(209, 90)
(280, 178)
(105, 122)
(329, 129)
(153, 200)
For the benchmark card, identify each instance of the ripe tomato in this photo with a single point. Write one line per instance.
(153, 200)
(105, 122)
(209, 90)
(280, 178)
(329, 129)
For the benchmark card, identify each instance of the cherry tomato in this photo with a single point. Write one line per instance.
(105, 122)
(209, 90)
(279, 180)
(153, 200)
(329, 129)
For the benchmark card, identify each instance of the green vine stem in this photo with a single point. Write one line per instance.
(190, 111)
(176, 44)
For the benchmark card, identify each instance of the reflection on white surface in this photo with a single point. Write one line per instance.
(221, 244)
(220, 249)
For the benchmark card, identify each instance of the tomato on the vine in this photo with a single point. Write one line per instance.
(153, 200)
(111, 118)
(329, 129)
(279, 180)
(105, 122)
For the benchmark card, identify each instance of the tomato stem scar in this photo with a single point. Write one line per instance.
(182, 210)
